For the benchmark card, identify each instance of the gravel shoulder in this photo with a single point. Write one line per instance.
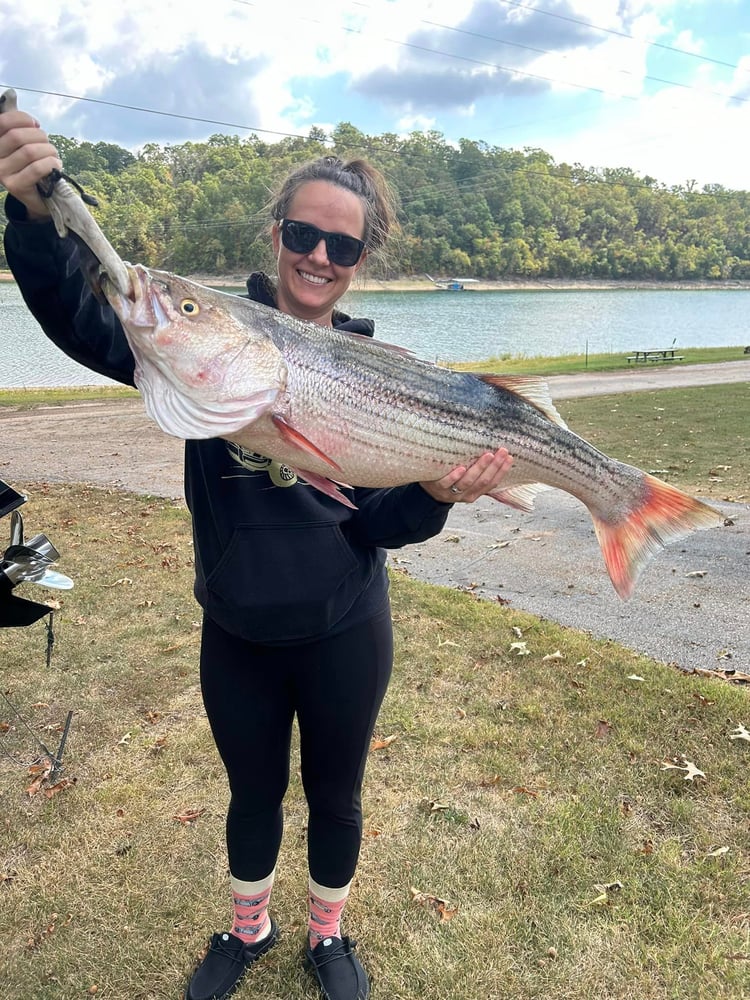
(691, 606)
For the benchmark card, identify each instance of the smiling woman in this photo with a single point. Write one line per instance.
(292, 583)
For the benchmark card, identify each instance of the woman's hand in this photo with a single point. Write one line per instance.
(465, 484)
(26, 156)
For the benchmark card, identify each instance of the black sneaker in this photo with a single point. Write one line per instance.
(226, 962)
(338, 970)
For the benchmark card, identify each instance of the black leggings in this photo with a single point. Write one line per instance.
(252, 692)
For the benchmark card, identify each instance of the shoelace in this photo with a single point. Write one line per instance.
(221, 947)
(340, 951)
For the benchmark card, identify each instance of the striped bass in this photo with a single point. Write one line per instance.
(343, 410)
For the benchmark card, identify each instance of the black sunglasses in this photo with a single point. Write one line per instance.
(302, 237)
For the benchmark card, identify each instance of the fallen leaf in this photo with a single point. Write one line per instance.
(441, 906)
(489, 782)
(40, 773)
(740, 733)
(690, 770)
(519, 648)
(703, 700)
(521, 790)
(59, 786)
(189, 816)
(603, 729)
(606, 892)
(431, 806)
(557, 655)
(635, 677)
(382, 744)
(696, 574)
(719, 852)
(517, 632)
(733, 676)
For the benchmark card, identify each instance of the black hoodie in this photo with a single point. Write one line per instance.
(276, 561)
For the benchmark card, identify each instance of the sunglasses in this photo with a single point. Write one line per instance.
(302, 237)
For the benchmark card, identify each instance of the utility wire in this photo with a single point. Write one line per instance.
(514, 70)
(622, 34)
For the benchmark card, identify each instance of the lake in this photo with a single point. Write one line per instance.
(458, 326)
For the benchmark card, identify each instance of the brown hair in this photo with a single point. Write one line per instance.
(357, 176)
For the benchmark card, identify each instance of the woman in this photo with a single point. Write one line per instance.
(292, 583)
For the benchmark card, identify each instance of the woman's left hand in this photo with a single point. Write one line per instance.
(465, 484)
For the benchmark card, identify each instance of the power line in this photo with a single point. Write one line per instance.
(513, 70)
(622, 34)
(153, 111)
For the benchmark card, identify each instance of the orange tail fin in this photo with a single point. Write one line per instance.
(665, 515)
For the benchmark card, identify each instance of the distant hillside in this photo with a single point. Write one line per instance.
(478, 210)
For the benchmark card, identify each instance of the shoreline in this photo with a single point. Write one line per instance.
(420, 283)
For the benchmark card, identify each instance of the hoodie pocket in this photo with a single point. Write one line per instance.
(277, 582)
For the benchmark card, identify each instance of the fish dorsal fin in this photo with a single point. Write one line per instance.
(530, 388)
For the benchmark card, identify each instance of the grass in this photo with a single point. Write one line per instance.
(26, 398)
(515, 788)
(695, 438)
(520, 780)
(574, 363)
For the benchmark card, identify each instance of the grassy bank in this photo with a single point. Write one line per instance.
(520, 779)
(515, 364)
(573, 364)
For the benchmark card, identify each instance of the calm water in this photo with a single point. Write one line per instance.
(458, 326)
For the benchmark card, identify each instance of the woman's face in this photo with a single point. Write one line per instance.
(309, 284)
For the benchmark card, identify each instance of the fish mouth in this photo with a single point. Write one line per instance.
(141, 308)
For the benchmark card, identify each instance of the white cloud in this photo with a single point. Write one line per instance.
(272, 66)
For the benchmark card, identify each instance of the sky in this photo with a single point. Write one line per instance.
(659, 86)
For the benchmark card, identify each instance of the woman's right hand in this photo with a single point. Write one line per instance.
(26, 156)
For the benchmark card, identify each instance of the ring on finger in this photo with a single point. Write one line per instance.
(456, 490)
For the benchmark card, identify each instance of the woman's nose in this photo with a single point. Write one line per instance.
(320, 252)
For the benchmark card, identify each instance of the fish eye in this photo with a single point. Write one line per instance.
(189, 307)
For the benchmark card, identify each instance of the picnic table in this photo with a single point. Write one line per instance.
(655, 354)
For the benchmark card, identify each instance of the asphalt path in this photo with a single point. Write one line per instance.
(691, 606)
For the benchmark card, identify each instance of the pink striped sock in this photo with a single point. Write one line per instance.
(251, 920)
(326, 907)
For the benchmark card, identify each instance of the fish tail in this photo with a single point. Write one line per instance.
(664, 514)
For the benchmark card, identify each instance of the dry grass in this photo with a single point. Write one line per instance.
(515, 787)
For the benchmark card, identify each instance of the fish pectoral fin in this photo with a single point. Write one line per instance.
(326, 486)
(534, 390)
(293, 436)
(520, 497)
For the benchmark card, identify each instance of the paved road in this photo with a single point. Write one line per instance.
(550, 566)
(641, 377)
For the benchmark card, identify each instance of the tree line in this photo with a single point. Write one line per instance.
(467, 210)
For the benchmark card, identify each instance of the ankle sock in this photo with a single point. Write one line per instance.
(326, 906)
(251, 920)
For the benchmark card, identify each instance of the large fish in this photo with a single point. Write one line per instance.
(340, 409)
